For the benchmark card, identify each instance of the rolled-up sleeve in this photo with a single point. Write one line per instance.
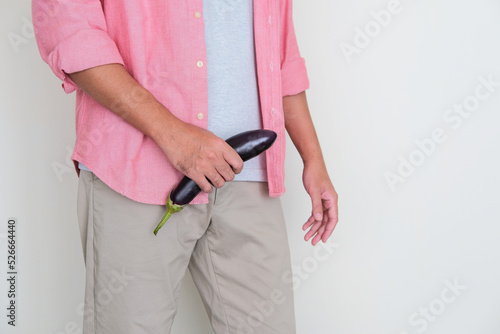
(294, 77)
(72, 36)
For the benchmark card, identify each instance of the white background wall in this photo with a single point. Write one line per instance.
(395, 251)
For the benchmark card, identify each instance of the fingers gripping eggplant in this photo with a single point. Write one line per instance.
(247, 144)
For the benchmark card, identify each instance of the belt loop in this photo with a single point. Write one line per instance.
(215, 194)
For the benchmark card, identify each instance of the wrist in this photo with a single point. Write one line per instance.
(313, 159)
(165, 127)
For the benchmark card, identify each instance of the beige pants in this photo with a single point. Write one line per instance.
(235, 247)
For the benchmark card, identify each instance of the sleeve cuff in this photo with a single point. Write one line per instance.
(294, 77)
(85, 49)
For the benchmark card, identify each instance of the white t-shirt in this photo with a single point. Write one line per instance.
(233, 98)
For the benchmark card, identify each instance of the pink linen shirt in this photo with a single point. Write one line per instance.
(161, 43)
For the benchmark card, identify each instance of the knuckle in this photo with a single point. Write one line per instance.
(216, 142)
(240, 163)
(220, 183)
(211, 155)
(206, 188)
(219, 142)
(238, 166)
(216, 180)
(203, 166)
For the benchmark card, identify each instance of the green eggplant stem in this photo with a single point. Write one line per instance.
(171, 209)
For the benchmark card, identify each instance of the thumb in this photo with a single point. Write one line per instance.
(317, 205)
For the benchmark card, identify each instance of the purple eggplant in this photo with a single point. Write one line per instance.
(247, 144)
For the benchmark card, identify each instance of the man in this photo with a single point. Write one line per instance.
(159, 85)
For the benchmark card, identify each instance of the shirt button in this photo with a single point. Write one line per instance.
(199, 63)
(271, 66)
(269, 19)
(197, 14)
(200, 116)
(272, 112)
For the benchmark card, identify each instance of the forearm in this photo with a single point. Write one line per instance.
(194, 151)
(299, 126)
(114, 88)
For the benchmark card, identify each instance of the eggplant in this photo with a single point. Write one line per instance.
(248, 145)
